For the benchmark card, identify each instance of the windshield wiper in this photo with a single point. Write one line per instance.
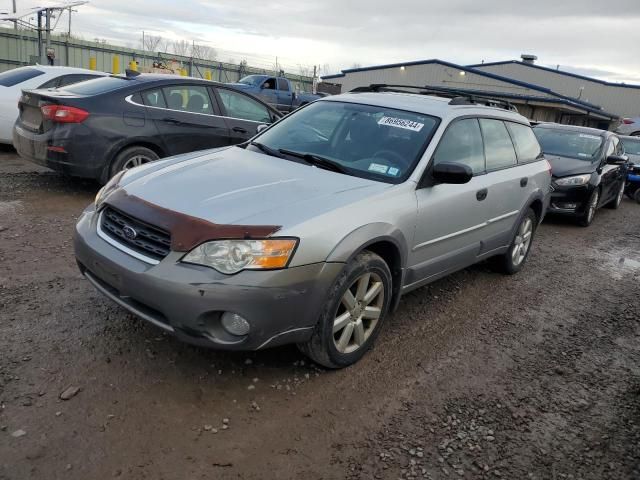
(316, 161)
(268, 150)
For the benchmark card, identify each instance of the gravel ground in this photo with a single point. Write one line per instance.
(476, 376)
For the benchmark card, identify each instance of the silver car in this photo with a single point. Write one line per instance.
(629, 126)
(312, 232)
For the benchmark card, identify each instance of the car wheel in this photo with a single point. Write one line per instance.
(132, 157)
(353, 313)
(636, 196)
(590, 212)
(615, 203)
(514, 259)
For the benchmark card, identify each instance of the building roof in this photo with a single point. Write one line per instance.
(553, 70)
(558, 96)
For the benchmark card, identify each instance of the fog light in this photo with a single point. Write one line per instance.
(235, 324)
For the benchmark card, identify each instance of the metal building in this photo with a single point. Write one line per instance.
(537, 101)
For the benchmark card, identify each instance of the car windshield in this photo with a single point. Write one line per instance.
(97, 86)
(631, 146)
(252, 80)
(367, 141)
(568, 143)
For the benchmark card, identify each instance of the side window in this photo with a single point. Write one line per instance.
(283, 84)
(269, 84)
(238, 105)
(527, 146)
(154, 98)
(462, 143)
(610, 149)
(618, 147)
(188, 98)
(498, 146)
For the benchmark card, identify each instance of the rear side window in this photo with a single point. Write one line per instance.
(154, 98)
(462, 143)
(19, 75)
(188, 98)
(526, 143)
(498, 147)
(282, 84)
(97, 86)
(238, 105)
(75, 78)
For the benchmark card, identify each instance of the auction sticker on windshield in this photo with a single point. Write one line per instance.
(401, 123)
(376, 167)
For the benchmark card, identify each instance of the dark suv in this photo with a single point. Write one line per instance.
(96, 128)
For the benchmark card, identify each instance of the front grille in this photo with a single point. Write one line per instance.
(146, 239)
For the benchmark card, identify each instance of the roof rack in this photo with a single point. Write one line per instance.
(458, 97)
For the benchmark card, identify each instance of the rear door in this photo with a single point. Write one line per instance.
(242, 113)
(451, 218)
(187, 117)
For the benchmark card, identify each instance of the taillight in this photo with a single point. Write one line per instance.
(627, 121)
(64, 114)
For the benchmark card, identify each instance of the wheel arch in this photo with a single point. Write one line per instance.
(133, 142)
(384, 240)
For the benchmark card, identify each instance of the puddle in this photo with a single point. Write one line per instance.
(621, 263)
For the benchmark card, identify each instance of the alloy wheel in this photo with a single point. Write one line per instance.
(135, 161)
(522, 242)
(593, 205)
(358, 313)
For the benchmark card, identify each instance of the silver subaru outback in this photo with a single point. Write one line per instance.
(311, 232)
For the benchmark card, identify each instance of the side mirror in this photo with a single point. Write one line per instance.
(262, 127)
(617, 159)
(451, 172)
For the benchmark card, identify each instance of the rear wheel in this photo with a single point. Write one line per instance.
(636, 196)
(132, 157)
(590, 211)
(353, 314)
(514, 259)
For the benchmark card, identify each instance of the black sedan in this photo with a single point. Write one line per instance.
(589, 169)
(96, 128)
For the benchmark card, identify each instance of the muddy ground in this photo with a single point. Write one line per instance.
(477, 376)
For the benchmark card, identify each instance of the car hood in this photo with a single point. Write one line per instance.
(565, 166)
(237, 186)
(242, 86)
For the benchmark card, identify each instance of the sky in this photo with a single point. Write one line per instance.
(590, 37)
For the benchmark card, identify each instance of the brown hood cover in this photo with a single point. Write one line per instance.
(187, 232)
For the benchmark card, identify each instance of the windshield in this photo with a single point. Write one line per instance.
(631, 147)
(96, 86)
(252, 80)
(567, 143)
(366, 141)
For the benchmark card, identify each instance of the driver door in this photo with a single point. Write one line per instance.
(451, 219)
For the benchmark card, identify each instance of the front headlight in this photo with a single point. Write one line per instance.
(572, 181)
(109, 187)
(232, 256)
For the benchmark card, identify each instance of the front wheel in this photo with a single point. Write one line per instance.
(615, 203)
(514, 259)
(590, 211)
(353, 313)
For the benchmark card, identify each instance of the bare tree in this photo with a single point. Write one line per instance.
(356, 65)
(150, 42)
(203, 52)
(304, 71)
(181, 47)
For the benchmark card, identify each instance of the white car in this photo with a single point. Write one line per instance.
(12, 82)
(629, 127)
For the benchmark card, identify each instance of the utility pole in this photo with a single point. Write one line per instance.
(15, 22)
(40, 37)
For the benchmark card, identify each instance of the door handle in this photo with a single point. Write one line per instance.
(172, 121)
(524, 181)
(239, 130)
(482, 194)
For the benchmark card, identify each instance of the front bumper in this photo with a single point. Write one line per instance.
(282, 306)
(78, 155)
(569, 200)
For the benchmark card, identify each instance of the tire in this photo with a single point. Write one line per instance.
(615, 203)
(636, 196)
(514, 259)
(367, 275)
(131, 157)
(592, 205)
